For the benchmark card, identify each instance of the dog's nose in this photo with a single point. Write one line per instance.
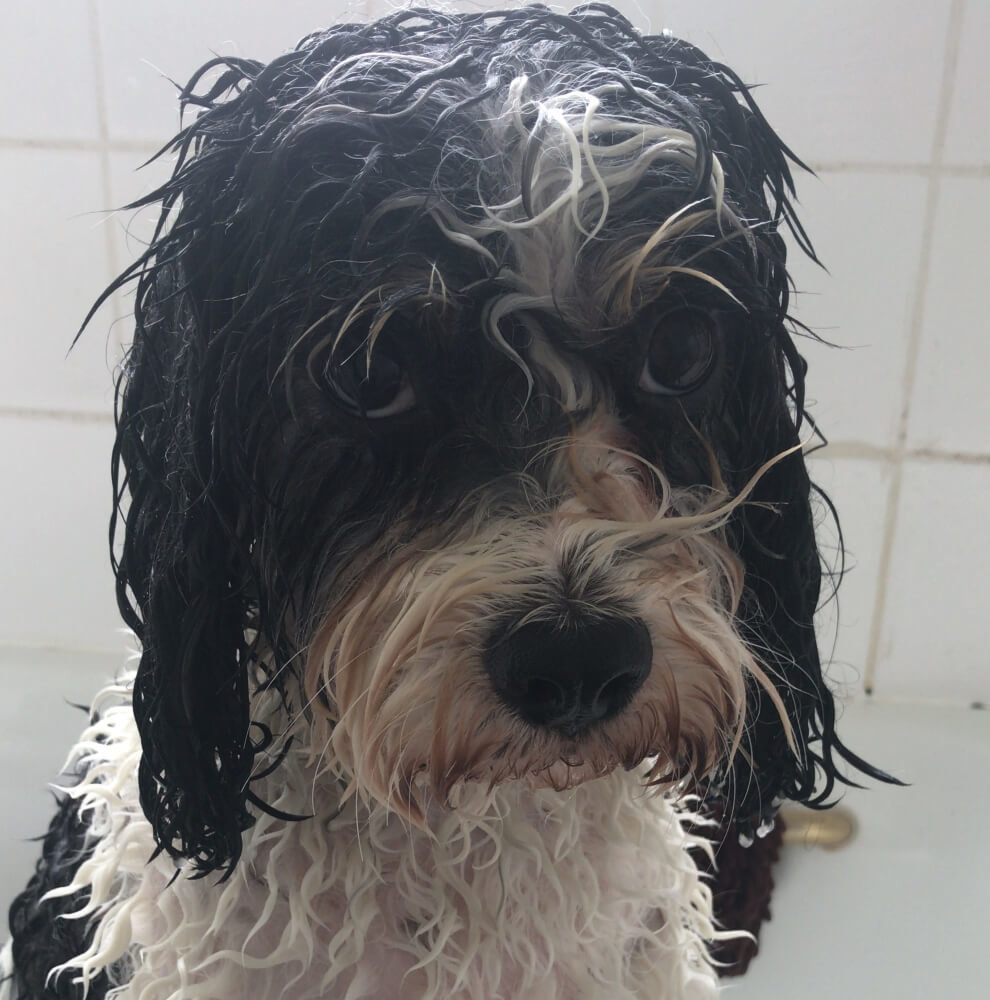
(566, 677)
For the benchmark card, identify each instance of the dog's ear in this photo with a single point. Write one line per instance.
(193, 403)
(195, 545)
(183, 581)
(775, 537)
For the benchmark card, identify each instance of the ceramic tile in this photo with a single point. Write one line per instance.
(147, 45)
(968, 140)
(53, 264)
(132, 177)
(846, 82)
(950, 408)
(858, 488)
(933, 643)
(56, 588)
(861, 306)
(47, 71)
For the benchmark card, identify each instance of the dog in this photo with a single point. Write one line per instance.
(463, 522)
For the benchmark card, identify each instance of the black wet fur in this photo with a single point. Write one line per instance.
(43, 935)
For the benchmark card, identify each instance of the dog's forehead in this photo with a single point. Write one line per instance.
(519, 169)
(564, 216)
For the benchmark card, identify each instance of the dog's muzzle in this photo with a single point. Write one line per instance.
(566, 677)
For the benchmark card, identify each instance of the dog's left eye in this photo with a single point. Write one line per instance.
(680, 353)
(375, 387)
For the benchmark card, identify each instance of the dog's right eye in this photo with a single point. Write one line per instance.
(374, 386)
(680, 353)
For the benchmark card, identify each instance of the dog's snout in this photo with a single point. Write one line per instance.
(567, 677)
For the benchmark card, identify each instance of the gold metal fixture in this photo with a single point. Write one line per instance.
(831, 829)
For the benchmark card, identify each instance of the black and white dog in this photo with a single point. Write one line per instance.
(463, 523)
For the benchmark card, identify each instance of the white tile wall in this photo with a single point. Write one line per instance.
(47, 71)
(54, 563)
(950, 408)
(934, 635)
(859, 489)
(149, 47)
(846, 81)
(863, 303)
(53, 263)
(968, 139)
(862, 91)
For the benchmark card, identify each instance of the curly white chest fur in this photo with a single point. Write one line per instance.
(515, 893)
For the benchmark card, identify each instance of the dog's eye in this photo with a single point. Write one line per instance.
(375, 387)
(680, 353)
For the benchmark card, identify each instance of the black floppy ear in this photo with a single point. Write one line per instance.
(192, 400)
(183, 582)
(199, 529)
(774, 535)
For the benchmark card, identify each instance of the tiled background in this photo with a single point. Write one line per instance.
(892, 109)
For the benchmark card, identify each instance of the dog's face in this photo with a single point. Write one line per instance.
(462, 409)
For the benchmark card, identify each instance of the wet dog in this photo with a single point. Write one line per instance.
(463, 523)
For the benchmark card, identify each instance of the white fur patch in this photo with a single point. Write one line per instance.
(515, 894)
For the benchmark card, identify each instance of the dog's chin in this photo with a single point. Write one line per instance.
(566, 774)
(578, 761)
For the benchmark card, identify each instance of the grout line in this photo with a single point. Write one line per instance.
(15, 646)
(953, 457)
(917, 701)
(856, 450)
(866, 451)
(81, 145)
(117, 307)
(69, 416)
(863, 167)
(901, 451)
(975, 170)
(979, 171)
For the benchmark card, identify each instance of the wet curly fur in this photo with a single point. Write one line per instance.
(461, 348)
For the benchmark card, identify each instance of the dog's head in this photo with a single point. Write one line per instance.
(462, 409)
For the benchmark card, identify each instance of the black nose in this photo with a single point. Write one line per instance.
(566, 677)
